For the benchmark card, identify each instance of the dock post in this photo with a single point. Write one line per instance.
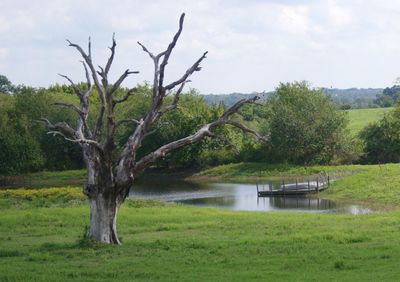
(297, 187)
(308, 181)
(317, 185)
(329, 183)
(257, 187)
(283, 187)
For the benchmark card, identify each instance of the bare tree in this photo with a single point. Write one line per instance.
(109, 179)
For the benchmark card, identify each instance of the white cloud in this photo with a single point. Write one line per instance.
(294, 19)
(340, 15)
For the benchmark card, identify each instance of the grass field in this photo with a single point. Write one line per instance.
(42, 236)
(360, 118)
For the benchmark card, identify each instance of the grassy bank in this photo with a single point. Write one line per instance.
(249, 171)
(360, 118)
(174, 242)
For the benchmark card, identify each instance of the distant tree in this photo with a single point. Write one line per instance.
(389, 96)
(385, 101)
(5, 85)
(345, 107)
(304, 125)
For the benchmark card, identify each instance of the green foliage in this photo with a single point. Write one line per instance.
(6, 86)
(389, 96)
(382, 139)
(25, 144)
(304, 125)
(19, 153)
(19, 150)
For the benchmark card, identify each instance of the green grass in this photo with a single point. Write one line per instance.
(41, 236)
(360, 118)
(177, 243)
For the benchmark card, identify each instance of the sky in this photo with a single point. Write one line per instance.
(253, 45)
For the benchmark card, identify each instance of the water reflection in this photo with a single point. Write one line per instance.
(236, 197)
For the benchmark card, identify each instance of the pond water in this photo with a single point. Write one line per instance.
(236, 196)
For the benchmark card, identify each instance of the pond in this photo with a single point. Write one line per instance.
(237, 196)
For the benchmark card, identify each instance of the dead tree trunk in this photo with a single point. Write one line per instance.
(109, 178)
(105, 197)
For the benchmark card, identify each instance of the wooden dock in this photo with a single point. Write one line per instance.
(297, 188)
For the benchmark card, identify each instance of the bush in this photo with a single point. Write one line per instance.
(304, 125)
(382, 139)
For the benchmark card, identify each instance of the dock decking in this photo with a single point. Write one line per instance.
(297, 188)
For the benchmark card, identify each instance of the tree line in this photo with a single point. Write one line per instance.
(303, 124)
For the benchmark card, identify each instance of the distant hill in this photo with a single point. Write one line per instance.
(356, 97)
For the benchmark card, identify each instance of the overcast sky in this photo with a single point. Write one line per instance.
(253, 45)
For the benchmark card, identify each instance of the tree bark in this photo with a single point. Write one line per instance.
(103, 219)
(105, 197)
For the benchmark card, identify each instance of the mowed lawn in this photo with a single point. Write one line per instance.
(42, 237)
(360, 118)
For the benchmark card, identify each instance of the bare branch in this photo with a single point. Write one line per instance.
(248, 130)
(118, 83)
(195, 67)
(168, 52)
(227, 141)
(99, 121)
(74, 86)
(238, 105)
(89, 83)
(63, 126)
(147, 51)
(119, 123)
(156, 129)
(80, 141)
(88, 59)
(110, 60)
(86, 141)
(165, 149)
(79, 48)
(70, 106)
(127, 95)
(90, 47)
(175, 101)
